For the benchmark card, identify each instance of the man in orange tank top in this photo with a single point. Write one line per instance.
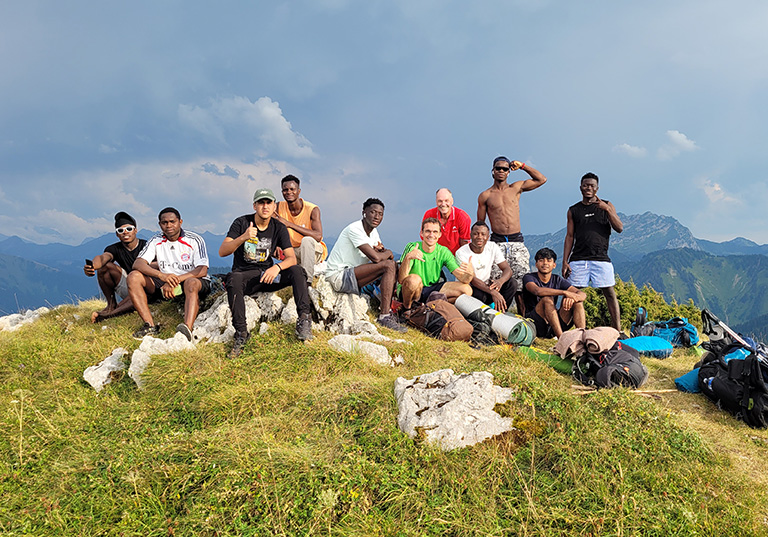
(305, 227)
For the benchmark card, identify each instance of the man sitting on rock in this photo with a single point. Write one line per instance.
(358, 258)
(254, 239)
(482, 255)
(422, 263)
(182, 268)
(305, 227)
(112, 267)
(540, 292)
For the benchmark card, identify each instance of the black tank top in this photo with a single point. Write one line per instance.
(591, 231)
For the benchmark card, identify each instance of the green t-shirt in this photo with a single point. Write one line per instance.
(429, 269)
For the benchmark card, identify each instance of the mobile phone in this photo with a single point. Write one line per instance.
(89, 262)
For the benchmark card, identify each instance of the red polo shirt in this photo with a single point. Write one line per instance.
(456, 228)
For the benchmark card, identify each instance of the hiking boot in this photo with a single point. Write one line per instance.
(147, 330)
(304, 328)
(241, 338)
(182, 328)
(389, 321)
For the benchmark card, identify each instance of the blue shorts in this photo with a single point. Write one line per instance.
(592, 273)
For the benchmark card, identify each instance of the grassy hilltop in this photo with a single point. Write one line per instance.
(293, 439)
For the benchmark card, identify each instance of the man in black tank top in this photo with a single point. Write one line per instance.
(585, 252)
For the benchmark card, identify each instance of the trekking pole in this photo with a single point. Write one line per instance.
(760, 356)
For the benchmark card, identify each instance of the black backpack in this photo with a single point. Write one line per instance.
(737, 386)
(618, 366)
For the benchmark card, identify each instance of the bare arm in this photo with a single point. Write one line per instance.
(269, 275)
(572, 292)
(229, 245)
(406, 262)
(613, 216)
(482, 209)
(537, 178)
(376, 255)
(506, 274)
(98, 262)
(464, 273)
(567, 245)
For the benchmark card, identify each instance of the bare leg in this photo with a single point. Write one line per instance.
(613, 306)
(139, 286)
(453, 290)
(411, 289)
(546, 309)
(124, 306)
(579, 315)
(387, 271)
(192, 287)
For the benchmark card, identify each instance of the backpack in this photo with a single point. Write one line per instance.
(677, 330)
(738, 384)
(618, 366)
(439, 319)
(653, 346)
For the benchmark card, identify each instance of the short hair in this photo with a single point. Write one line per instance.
(545, 253)
(479, 223)
(430, 220)
(372, 201)
(444, 188)
(168, 210)
(288, 178)
(590, 175)
(505, 159)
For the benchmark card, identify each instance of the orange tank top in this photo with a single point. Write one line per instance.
(303, 219)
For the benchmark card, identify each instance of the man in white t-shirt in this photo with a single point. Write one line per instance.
(358, 258)
(482, 255)
(182, 262)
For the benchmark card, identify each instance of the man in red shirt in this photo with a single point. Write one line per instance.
(455, 224)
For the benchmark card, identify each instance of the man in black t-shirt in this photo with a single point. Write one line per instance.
(585, 251)
(253, 239)
(112, 267)
(540, 292)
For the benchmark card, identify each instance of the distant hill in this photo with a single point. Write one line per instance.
(734, 287)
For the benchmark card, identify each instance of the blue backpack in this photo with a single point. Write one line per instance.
(677, 330)
(653, 346)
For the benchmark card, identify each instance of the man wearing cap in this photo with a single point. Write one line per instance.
(305, 228)
(181, 268)
(112, 267)
(454, 223)
(254, 239)
(501, 204)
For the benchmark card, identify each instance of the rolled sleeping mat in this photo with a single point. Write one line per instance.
(509, 328)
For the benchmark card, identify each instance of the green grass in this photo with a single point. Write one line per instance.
(294, 439)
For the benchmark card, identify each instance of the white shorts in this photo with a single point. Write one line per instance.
(122, 287)
(597, 274)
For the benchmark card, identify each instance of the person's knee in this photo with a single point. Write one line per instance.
(413, 281)
(547, 303)
(308, 242)
(135, 279)
(192, 285)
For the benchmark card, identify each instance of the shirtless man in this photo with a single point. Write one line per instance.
(305, 227)
(501, 204)
(454, 223)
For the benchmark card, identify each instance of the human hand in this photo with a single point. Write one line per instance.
(89, 270)
(167, 290)
(501, 304)
(567, 303)
(516, 165)
(250, 233)
(269, 275)
(566, 269)
(415, 254)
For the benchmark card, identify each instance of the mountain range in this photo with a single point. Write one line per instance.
(730, 278)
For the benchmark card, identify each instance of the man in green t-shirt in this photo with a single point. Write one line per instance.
(421, 265)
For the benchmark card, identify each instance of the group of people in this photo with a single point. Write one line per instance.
(281, 243)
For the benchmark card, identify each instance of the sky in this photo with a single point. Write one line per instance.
(109, 106)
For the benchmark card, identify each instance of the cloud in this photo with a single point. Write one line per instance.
(678, 143)
(246, 127)
(228, 170)
(631, 150)
(715, 193)
(107, 149)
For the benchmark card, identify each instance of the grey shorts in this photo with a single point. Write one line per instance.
(122, 287)
(518, 258)
(344, 281)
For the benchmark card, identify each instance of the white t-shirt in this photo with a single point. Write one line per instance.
(176, 257)
(346, 252)
(481, 262)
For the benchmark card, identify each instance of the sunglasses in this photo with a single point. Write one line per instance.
(500, 169)
(126, 229)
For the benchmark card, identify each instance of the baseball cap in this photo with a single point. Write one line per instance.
(263, 194)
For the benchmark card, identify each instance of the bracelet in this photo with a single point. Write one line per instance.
(279, 267)
(522, 166)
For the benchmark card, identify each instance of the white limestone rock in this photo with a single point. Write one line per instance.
(215, 324)
(263, 329)
(449, 410)
(139, 362)
(102, 374)
(374, 351)
(17, 320)
(289, 315)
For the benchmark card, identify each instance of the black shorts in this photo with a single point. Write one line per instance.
(158, 294)
(543, 330)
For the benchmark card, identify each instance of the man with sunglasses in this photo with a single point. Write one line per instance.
(112, 267)
(501, 204)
